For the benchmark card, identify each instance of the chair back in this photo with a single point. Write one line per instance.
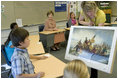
(5, 55)
(41, 27)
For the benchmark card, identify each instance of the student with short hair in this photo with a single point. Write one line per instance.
(76, 69)
(91, 15)
(9, 48)
(50, 25)
(21, 65)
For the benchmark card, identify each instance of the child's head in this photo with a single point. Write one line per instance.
(76, 69)
(13, 26)
(72, 15)
(50, 14)
(19, 38)
(89, 8)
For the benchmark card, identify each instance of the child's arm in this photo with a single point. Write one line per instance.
(36, 57)
(18, 68)
(76, 23)
(68, 11)
(55, 29)
(12, 46)
(47, 27)
(37, 75)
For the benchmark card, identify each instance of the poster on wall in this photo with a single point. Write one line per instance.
(72, 6)
(60, 6)
(94, 45)
(75, 7)
(19, 22)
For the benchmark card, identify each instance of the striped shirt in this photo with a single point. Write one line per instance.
(20, 62)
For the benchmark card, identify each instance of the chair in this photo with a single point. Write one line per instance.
(41, 27)
(67, 26)
(8, 62)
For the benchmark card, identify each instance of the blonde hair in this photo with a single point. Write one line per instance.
(76, 69)
(89, 5)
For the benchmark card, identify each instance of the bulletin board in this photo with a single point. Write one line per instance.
(75, 7)
(60, 6)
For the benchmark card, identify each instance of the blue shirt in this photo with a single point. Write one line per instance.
(20, 62)
(9, 50)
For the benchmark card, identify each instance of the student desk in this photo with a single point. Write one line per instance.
(35, 46)
(114, 24)
(67, 29)
(47, 38)
(107, 24)
(111, 24)
(52, 67)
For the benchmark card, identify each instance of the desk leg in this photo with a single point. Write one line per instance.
(94, 73)
(66, 37)
(48, 41)
(47, 49)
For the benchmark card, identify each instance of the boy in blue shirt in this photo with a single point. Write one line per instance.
(21, 65)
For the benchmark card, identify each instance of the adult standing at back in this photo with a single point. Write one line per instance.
(91, 15)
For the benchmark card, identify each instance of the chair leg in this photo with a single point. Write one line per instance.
(10, 74)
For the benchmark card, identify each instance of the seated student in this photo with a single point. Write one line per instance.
(76, 69)
(71, 18)
(91, 15)
(9, 48)
(20, 62)
(50, 25)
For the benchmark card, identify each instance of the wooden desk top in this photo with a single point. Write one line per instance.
(52, 67)
(67, 28)
(52, 32)
(35, 46)
(107, 24)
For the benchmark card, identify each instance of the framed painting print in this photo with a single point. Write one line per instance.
(96, 46)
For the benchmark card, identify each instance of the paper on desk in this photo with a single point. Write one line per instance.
(6, 66)
(48, 55)
(39, 43)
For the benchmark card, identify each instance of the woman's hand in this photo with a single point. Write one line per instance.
(91, 23)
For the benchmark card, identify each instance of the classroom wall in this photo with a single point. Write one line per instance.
(31, 12)
(114, 8)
